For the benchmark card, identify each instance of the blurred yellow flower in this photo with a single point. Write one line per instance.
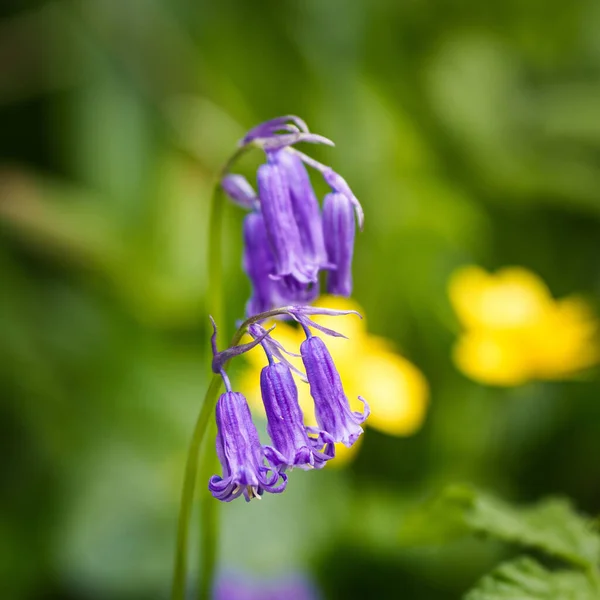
(515, 331)
(395, 389)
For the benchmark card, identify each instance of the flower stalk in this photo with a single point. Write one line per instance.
(208, 536)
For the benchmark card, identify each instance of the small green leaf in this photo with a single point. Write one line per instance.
(526, 579)
(551, 525)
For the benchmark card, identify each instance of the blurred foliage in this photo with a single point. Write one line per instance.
(551, 526)
(525, 578)
(469, 131)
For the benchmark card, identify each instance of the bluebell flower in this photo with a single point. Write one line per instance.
(283, 234)
(332, 410)
(239, 450)
(292, 446)
(259, 265)
(305, 207)
(241, 455)
(339, 228)
(339, 184)
(300, 239)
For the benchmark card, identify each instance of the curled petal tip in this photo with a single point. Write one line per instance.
(314, 138)
(360, 215)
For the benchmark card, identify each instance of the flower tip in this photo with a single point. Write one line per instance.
(320, 139)
(360, 216)
(276, 142)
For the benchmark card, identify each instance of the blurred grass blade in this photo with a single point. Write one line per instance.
(58, 219)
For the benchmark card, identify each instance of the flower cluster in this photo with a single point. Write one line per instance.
(288, 240)
(515, 331)
(249, 468)
(370, 365)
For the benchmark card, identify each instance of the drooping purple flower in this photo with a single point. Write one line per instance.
(241, 454)
(305, 207)
(238, 188)
(282, 231)
(292, 446)
(259, 265)
(302, 240)
(339, 184)
(339, 230)
(332, 409)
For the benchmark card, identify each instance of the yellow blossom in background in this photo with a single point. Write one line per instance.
(515, 331)
(395, 389)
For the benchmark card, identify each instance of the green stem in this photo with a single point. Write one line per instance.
(209, 516)
(189, 483)
(208, 507)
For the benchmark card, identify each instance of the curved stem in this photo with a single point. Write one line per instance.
(187, 495)
(209, 513)
(208, 539)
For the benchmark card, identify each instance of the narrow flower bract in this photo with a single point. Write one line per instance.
(281, 227)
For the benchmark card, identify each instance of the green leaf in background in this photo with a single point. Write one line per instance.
(552, 525)
(526, 579)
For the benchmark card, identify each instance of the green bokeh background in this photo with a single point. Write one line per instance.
(471, 133)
